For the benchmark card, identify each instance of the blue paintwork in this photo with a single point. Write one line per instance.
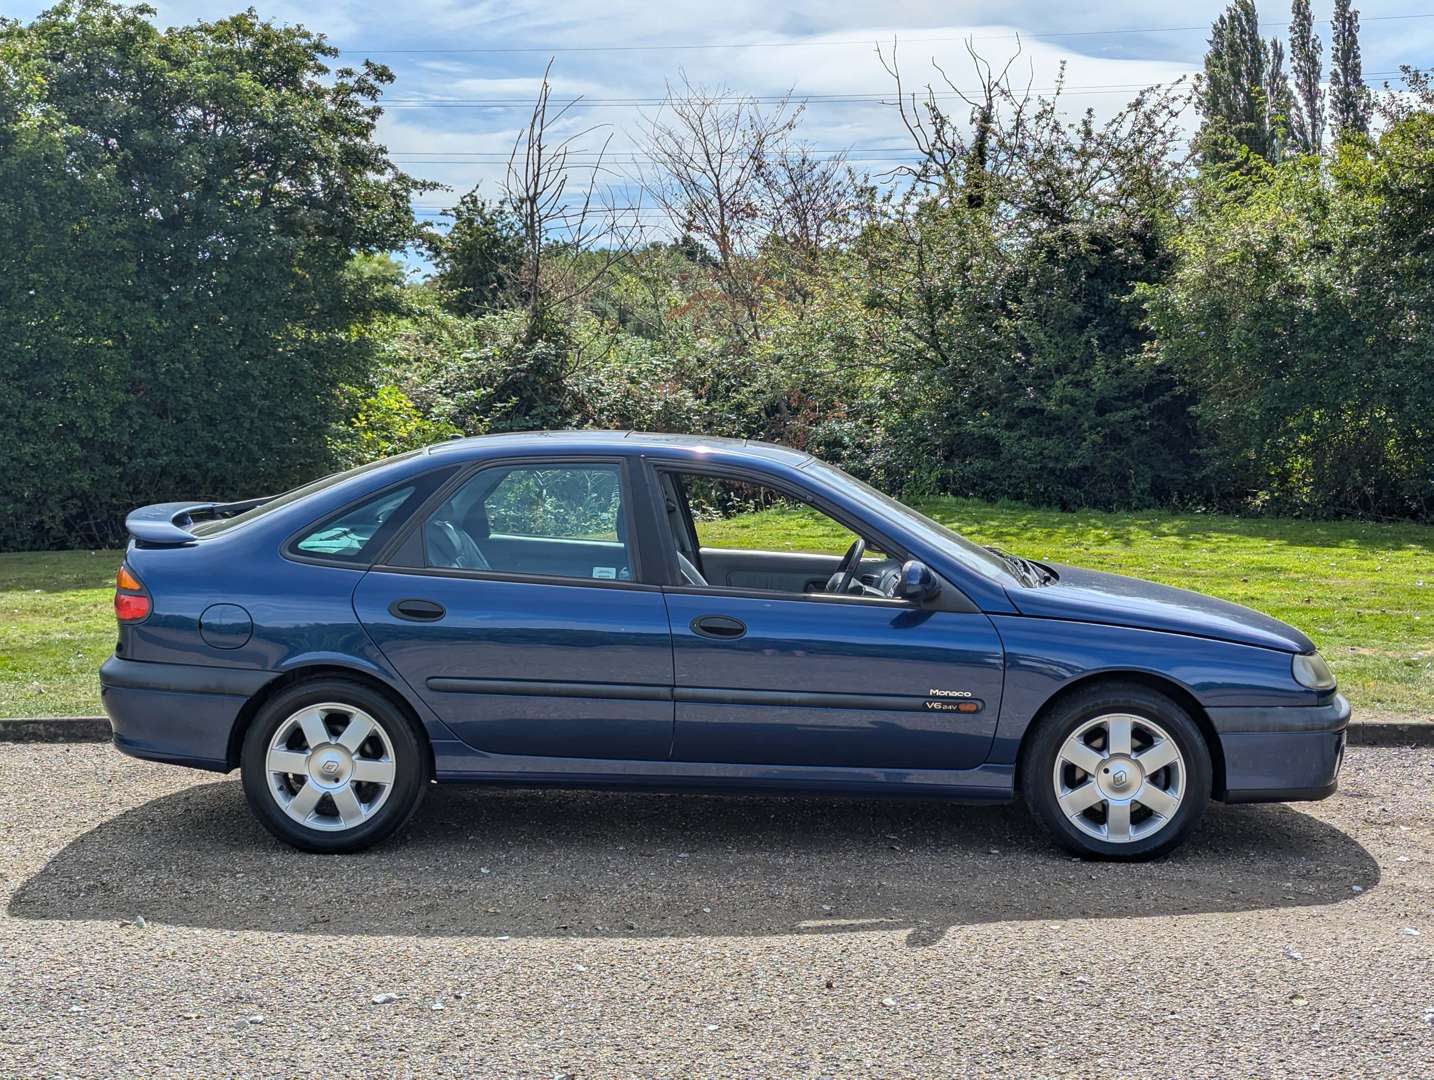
(539, 681)
(802, 645)
(1091, 596)
(504, 630)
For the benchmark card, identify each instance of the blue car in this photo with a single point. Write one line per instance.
(584, 609)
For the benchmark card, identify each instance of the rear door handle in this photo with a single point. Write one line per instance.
(417, 610)
(718, 626)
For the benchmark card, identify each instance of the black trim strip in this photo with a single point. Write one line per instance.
(1303, 719)
(182, 678)
(542, 688)
(530, 579)
(818, 699)
(700, 695)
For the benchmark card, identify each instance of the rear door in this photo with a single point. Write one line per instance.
(514, 610)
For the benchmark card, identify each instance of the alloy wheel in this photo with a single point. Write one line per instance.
(1120, 778)
(330, 766)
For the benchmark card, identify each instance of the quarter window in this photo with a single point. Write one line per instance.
(350, 536)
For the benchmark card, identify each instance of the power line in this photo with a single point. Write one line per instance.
(875, 97)
(866, 42)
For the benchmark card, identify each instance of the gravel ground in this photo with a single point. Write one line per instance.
(592, 935)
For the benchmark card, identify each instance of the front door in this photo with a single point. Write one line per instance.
(793, 674)
(519, 623)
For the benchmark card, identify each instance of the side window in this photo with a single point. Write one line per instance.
(350, 536)
(550, 520)
(737, 534)
(735, 515)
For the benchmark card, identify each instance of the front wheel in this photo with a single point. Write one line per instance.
(332, 766)
(1118, 772)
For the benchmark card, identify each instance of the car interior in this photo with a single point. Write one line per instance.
(560, 521)
(862, 570)
(569, 521)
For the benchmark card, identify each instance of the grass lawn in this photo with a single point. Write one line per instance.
(1364, 592)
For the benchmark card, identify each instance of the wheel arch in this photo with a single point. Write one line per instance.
(308, 673)
(1161, 684)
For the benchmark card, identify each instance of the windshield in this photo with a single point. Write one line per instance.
(971, 555)
(218, 525)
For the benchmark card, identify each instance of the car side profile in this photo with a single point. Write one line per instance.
(591, 609)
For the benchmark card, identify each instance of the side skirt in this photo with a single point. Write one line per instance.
(456, 762)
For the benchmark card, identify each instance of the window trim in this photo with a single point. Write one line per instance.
(630, 490)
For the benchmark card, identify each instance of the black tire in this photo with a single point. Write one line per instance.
(1038, 765)
(409, 760)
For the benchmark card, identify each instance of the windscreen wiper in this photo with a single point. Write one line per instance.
(1030, 573)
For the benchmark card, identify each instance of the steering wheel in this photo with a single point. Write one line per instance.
(846, 569)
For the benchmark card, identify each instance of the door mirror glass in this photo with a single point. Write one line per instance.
(918, 584)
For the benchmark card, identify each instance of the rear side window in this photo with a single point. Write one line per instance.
(358, 532)
(561, 503)
(546, 520)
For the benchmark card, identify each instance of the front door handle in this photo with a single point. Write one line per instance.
(719, 626)
(417, 610)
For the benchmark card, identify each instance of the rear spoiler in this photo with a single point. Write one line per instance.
(168, 524)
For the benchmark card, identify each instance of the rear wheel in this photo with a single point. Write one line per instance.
(1118, 772)
(332, 766)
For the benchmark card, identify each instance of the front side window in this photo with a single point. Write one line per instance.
(734, 533)
(551, 520)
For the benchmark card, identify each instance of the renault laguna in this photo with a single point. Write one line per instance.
(592, 609)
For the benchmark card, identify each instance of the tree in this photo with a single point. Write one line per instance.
(1279, 101)
(179, 301)
(1234, 93)
(535, 188)
(1350, 102)
(710, 150)
(1307, 113)
(480, 258)
(1299, 314)
(1008, 322)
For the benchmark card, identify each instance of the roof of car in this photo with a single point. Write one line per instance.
(619, 442)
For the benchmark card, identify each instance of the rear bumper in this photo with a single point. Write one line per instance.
(181, 714)
(1283, 754)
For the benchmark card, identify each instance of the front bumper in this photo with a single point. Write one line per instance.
(182, 714)
(1282, 754)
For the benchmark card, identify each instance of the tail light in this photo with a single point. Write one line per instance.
(131, 601)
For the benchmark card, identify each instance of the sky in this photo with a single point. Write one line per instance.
(486, 58)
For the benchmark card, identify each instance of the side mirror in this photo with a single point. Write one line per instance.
(918, 584)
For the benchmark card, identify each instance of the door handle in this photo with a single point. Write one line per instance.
(417, 610)
(719, 626)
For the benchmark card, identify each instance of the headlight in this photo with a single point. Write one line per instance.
(1309, 669)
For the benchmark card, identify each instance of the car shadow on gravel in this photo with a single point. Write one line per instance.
(502, 862)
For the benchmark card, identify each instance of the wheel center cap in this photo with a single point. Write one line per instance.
(329, 766)
(1120, 777)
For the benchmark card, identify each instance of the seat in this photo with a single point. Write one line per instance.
(690, 573)
(450, 546)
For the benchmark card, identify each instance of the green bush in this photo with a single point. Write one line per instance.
(179, 296)
(1299, 313)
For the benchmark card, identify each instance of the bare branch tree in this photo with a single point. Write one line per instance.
(952, 159)
(1018, 151)
(709, 149)
(592, 232)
